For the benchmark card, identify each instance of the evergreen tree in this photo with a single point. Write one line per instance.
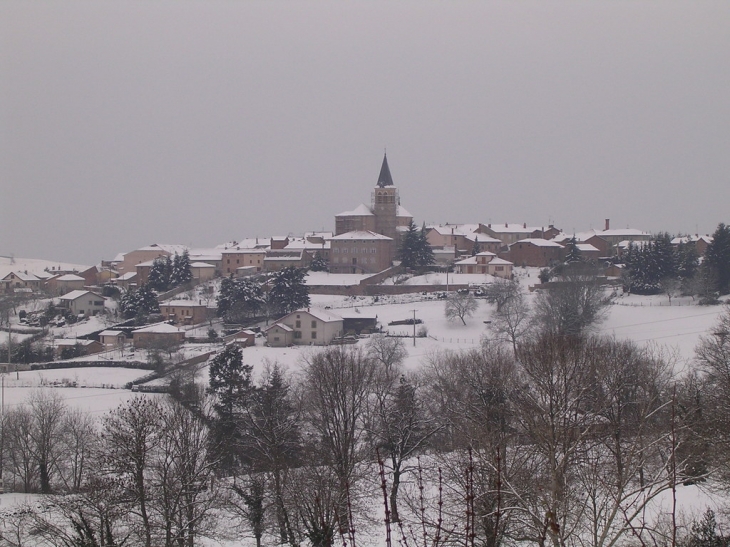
(425, 252)
(288, 291)
(239, 299)
(181, 272)
(573, 254)
(415, 250)
(717, 258)
(160, 272)
(409, 244)
(230, 383)
(319, 263)
(140, 302)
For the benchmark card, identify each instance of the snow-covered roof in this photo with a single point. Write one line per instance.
(73, 295)
(625, 232)
(365, 235)
(201, 265)
(23, 276)
(322, 315)
(485, 253)
(146, 264)
(586, 248)
(456, 229)
(170, 248)
(537, 242)
(282, 326)
(180, 302)
(304, 243)
(513, 228)
(466, 261)
(111, 332)
(403, 213)
(127, 276)
(70, 277)
(481, 238)
(579, 236)
(692, 239)
(360, 210)
(161, 328)
(500, 262)
(246, 243)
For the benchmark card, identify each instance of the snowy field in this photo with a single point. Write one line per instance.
(646, 320)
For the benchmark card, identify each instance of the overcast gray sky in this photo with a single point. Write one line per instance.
(131, 123)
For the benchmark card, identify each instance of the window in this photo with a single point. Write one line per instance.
(314, 324)
(276, 338)
(298, 324)
(336, 250)
(344, 250)
(297, 334)
(373, 250)
(314, 335)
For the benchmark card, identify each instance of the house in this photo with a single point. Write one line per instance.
(511, 233)
(279, 335)
(19, 280)
(588, 252)
(463, 237)
(82, 302)
(185, 312)
(700, 242)
(588, 238)
(63, 284)
(202, 271)
(243, 338)
(235, 258)
(485, 263)
(112, 338)
(535, 252)
(126, 280)
(127, 262)
(157, 335)
(278, 259)
(360, 252)
(308, 327)
(77, 347)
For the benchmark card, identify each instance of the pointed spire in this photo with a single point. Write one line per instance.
(385, 179)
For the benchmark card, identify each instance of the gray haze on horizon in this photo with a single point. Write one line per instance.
(131, 123)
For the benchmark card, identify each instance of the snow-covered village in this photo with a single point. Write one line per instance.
(448, 384)
(364, 273)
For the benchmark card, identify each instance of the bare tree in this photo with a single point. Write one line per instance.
(460, 306)
(573, 304)
(502, 291)
(513, 320)
(387, 350)
(336, 386)
(80, 442)
(130, 436)
(48, 410)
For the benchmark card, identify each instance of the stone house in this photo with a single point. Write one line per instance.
(360, 252)
(158, 335)
(535, 252)
(185, 312)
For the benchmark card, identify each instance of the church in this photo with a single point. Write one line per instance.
(366, 238)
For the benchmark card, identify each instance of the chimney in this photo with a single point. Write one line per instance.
(505, 225)
(524, 225)
(608, 223)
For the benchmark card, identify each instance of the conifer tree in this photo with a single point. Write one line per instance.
(288, 291)
(717, 258)
(181, 272)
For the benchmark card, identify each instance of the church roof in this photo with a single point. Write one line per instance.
(384, 179)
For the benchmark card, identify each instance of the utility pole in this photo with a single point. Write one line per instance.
(414, 328)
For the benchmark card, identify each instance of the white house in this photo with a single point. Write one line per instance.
(86, 302)
(312, 326)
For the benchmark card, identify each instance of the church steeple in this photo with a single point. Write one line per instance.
(384, 179)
